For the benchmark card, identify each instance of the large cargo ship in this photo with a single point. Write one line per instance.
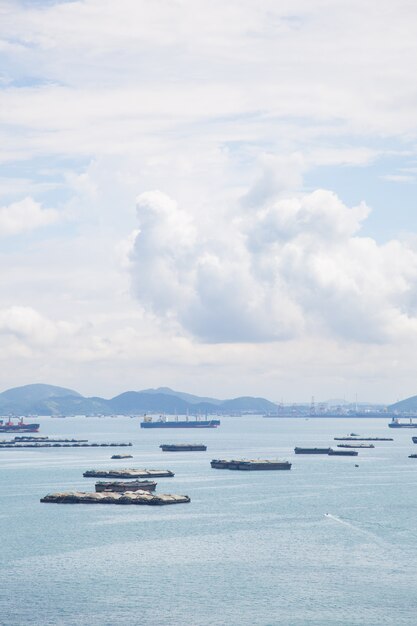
(20, 426)
(395, 423)
(163, 422)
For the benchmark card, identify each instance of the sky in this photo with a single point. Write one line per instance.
(216, 197)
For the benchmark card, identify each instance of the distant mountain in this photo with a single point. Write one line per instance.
(51, 400)
(142, 402)
(409, 405)
(246, 403)
(188, 397)
(25, 399)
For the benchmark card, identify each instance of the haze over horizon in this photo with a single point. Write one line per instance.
(219, 198)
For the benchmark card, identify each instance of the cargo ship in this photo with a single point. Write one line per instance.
(163, 422)
(395, 423)
(298, 450)
(250, 465)
(182, 447)
(19, 426)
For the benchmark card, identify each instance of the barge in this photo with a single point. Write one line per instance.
(182, 447)
(120, 486)
(128, 473)
(363, 438)
(252, 465)
(126, 497)
(355, 445)
(342, 452)
(42, 444)
(298, 450)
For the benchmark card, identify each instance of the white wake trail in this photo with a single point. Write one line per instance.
(375, 537)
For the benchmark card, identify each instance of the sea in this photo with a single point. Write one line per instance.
(326, 544)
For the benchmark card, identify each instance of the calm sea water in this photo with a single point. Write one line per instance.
(324, 544)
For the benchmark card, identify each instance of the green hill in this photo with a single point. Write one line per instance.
(408, 405)
(23, 399)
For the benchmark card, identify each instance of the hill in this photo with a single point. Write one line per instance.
(51, 400)
(188, 397)
(25, 399)
(408, 405)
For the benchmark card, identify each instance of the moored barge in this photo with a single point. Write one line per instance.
(182, 447)
(299, 450)
(128, 473)
(363, 438)
(342, 452)
(120, 486)
(252, 465)
(127, 497)
(355, 445)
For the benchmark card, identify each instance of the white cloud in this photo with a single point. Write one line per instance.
(400, 178)
(293, 266)
(25, 215)
(30, 327)
(122, 74)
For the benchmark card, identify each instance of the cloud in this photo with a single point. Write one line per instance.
(25, 215)
(291, 267)
(400, 178)
(30, 327)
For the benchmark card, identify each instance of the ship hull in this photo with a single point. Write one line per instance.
(250, 465)
(182, 448)
(19, 428)
(182, 424)
(311, 450)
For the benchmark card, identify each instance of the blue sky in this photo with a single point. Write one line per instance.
(220, 198)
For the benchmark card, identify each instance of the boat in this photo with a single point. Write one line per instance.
(414, 439)
(128, 473)
(342, 452)
(355, 445)
(120, 486)
(111, 497)
(19, 426)
(395, 423)
(163, 422)
(298, 450)
(182, 447)
(349, 438)
(258, 464)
